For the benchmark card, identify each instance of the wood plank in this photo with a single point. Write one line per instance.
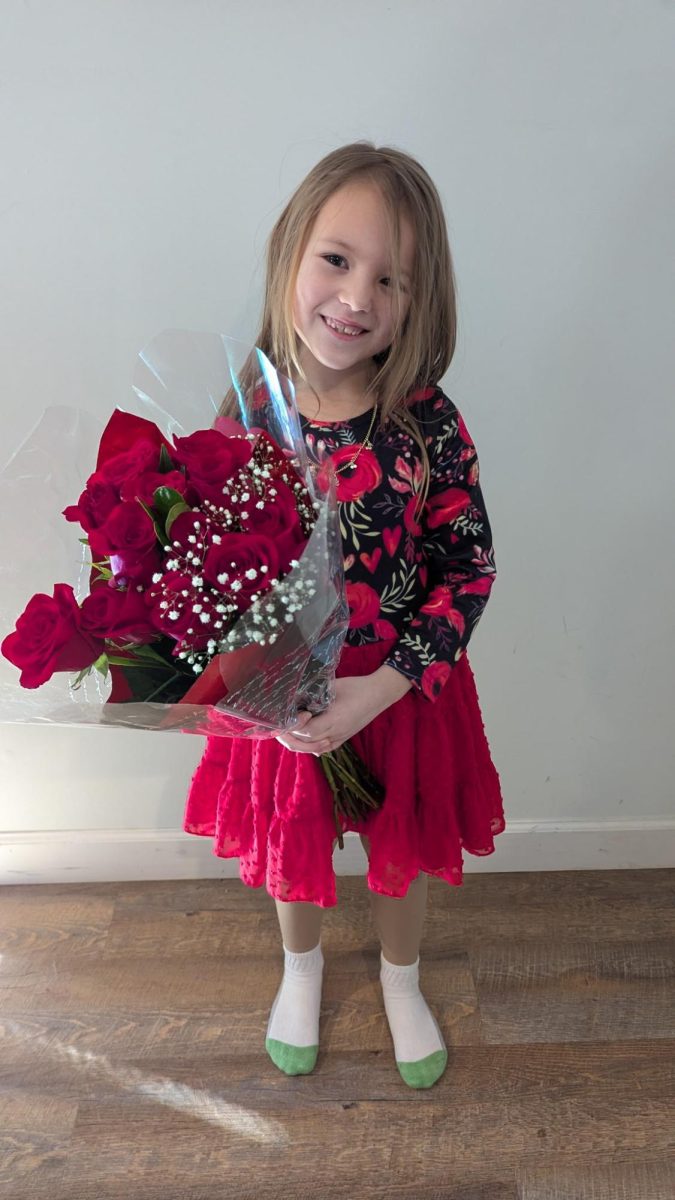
(575, 991)
(475, 1074)
(648, 1180)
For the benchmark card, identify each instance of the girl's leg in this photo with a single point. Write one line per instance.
(420, 1051)
(400, 921)
(292, 1040)
(300, 925)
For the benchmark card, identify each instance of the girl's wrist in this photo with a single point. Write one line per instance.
(390, 683)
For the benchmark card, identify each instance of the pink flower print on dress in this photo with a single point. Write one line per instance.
(364, 604)
(434, 678)
(445, 507)
(440, 603)
(365, 476)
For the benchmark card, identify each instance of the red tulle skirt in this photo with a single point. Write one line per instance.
(273, 810)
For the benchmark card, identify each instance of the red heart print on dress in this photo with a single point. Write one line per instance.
(371, 560)
(391, 539)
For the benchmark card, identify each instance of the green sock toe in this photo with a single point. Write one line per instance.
(293, 1060)
(426, 1071)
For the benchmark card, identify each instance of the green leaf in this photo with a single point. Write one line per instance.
(165, 498)
(85, 541)
(148, 653)
(159, 532)
(175, 512)
(82, 675)
(101, 665)
(165, 463)
(118, 661)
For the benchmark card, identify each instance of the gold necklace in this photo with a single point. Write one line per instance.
(366, 444)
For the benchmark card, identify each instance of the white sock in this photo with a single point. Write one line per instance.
(294, 1018)
(413, 1026)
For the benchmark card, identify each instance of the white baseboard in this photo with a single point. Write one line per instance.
(108, 855)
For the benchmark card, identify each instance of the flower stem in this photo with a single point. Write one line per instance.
(356, 792)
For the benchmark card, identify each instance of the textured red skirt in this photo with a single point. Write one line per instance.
(273, 810)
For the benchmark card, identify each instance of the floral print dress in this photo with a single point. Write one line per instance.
(417, 585)
(423, 580)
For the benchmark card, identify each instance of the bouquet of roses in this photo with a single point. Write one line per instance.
(211, 561)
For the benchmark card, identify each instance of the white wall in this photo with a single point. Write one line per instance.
(148, 146)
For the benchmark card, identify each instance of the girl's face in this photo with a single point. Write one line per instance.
(343, 305)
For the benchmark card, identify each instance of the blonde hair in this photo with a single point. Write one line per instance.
(424, 343)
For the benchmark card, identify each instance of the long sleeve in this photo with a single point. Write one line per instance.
(457, 545)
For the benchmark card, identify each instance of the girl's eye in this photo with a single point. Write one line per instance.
(329, 258)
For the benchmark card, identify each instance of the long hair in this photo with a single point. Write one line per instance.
(424, 342)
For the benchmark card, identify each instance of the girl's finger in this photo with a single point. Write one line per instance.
(297, 747)
(303, 718)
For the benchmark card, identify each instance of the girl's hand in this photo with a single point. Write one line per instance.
(358, 700)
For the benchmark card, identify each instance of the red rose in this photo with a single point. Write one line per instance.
(114, 613)
(364, 476)
(122, 433)
(130, 568)
(128, 528)
(95, 504)
(446, 506)
(364, 604)
(210, 459)
(434, 679)
(165, 598)
(279, 520)
(189, 525)
(145, 485)
(48, 638)
(141, 456)
(249, 552)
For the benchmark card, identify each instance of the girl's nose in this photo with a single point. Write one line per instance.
(357, 293)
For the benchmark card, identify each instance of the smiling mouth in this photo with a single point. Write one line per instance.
(347, 330)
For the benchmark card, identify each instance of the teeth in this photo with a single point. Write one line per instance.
(342, 328)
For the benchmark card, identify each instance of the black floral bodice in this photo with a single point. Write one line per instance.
(422, 582)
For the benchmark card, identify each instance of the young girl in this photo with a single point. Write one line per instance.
(360, 313)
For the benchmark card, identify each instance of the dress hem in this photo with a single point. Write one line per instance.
(448, 875)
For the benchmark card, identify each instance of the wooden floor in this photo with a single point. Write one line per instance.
(132, 1063)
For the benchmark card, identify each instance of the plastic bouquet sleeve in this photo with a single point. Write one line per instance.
(80, 607)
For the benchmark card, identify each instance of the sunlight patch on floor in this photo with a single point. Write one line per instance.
(205, 1106)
